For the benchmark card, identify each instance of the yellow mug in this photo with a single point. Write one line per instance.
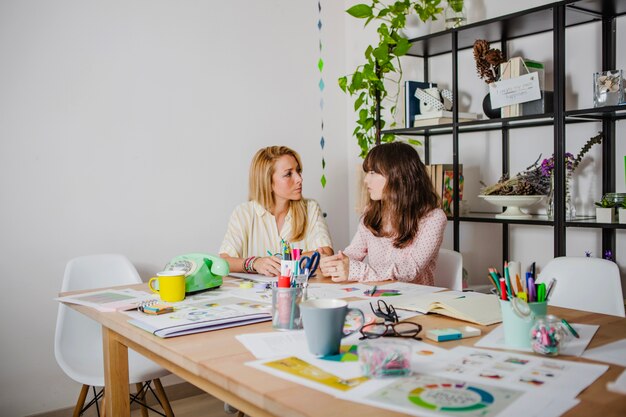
(171, 285)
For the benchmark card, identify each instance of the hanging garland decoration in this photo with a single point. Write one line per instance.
(320, 66)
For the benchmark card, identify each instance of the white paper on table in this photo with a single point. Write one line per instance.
(573, 346)
(522, 372)
(274, 344)
(619, 385)
(614, 352)
(396, 396)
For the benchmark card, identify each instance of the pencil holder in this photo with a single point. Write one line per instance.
(286, 308)
(518, 318)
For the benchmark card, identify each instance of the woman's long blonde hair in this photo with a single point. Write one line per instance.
(260, 187)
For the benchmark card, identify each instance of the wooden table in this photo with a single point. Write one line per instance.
(214, 362)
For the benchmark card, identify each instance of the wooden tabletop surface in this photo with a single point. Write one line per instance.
(215, 362)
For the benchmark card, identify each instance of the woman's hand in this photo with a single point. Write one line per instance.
(267, 265)
(336, 266)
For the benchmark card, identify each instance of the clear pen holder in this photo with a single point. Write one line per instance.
(286, 308)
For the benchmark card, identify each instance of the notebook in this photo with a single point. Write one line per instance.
(476, 308)
(202, 315)
(254, 277)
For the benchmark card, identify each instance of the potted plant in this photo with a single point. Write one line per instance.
(382, 66)
(605, 211)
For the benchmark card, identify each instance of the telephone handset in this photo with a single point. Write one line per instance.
(202, 271)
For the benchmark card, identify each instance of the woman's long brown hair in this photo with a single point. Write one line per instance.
(408, 194)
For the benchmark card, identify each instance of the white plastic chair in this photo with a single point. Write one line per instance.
(78, 339)
(589, 284)
(449, 270)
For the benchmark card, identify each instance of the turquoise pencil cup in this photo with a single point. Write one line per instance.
(517, 324)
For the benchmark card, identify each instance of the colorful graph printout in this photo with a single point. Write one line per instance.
(446, 396)
(347, 353)
(302, 369)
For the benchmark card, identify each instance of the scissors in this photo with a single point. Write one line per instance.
(310, 263)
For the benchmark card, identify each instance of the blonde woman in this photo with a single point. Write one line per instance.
(276, 210)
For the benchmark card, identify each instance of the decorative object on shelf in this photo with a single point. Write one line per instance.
(382, 64)
(570, 209)
(490, 112)
(455, 14)
(608, 88)
(488, 62)
(605, 211)
(621, 212)
(571, 163)
(512, 204)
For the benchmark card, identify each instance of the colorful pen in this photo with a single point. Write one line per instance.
(570, 328)
(509, 287)
(550, 288)
(503, 289)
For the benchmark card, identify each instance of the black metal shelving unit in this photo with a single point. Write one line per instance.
(555, 18)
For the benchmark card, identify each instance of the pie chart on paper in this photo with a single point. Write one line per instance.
(450, 397)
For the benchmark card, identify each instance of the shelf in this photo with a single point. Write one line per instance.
(593, 114)
(482, 125)
(478, 217)
(598, 113)
(516, 25)
(591, 223)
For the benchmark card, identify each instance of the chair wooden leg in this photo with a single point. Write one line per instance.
(81, 400)
(104, 411)
(141, 395)
(163, 398)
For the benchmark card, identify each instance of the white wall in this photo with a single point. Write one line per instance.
(128, 126)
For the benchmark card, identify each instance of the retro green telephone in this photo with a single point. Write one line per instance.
(202, 271)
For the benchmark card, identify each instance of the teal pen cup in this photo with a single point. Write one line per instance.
(518, 323)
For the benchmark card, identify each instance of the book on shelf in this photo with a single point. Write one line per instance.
(437, 121)
(110, 299)
(447, 194)
(442, 178)
(202, 314)
(412, 103)
(483, 309)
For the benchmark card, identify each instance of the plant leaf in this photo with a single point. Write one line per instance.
(360, 11)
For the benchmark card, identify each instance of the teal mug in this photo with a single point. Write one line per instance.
(324, 321)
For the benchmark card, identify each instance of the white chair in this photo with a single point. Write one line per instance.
(589, 284)
(449, 270)
(78, 339)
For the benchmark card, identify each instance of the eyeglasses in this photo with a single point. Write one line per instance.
(384, 311)
(400, 329)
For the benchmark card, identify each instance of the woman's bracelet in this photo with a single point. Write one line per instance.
(247, 264)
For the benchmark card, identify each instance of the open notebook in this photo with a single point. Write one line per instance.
(473, 307)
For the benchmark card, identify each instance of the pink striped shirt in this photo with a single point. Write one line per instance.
(414, 263)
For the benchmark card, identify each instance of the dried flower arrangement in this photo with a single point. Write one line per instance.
(535, 179)
(488, 61)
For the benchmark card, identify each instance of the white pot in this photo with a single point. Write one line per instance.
(605, 215)
(622, 215)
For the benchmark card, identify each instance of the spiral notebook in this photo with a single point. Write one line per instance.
(110, 299)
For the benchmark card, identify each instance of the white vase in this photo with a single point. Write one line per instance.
(414, 27)
(605, 215)
(622, 215)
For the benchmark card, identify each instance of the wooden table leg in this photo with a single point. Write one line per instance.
(116, 393)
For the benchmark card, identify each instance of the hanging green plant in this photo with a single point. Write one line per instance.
(382, 63)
